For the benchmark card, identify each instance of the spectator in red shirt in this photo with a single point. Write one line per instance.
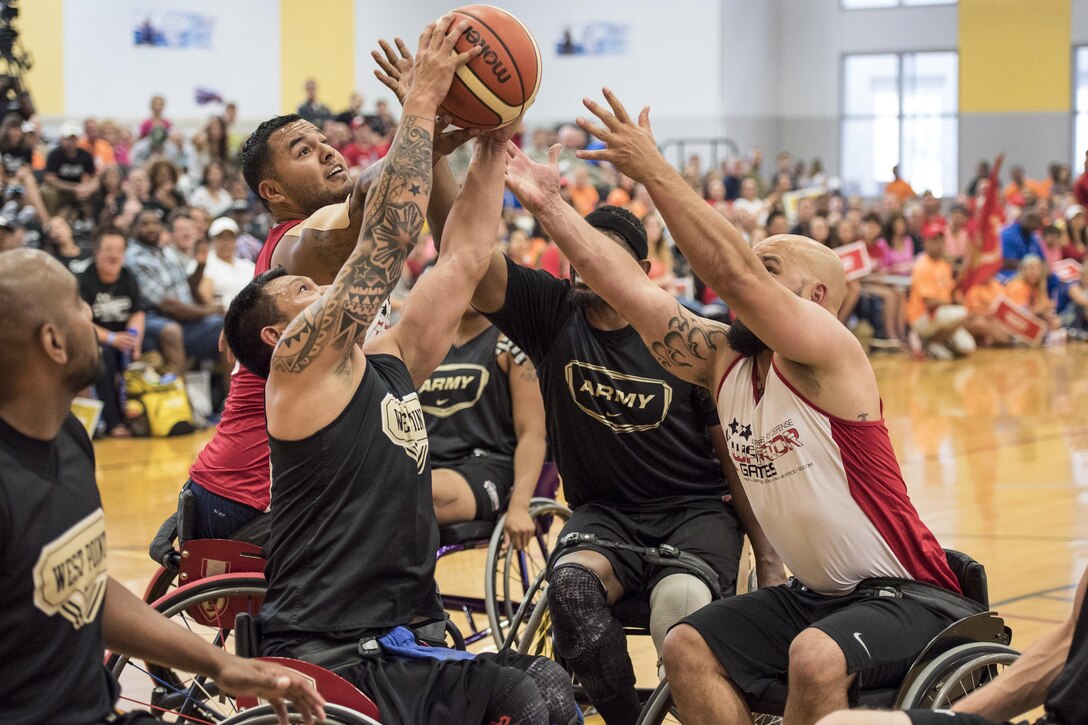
(158, 104)
(1080, 189)
(366, 146)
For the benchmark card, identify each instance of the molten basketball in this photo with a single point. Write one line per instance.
(500, 83)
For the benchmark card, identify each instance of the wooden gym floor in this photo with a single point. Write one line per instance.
(994, 450)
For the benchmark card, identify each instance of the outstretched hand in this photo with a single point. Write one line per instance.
(397, 72)
(274, 683)
(630, 146)
(535, 185)
(436, 61)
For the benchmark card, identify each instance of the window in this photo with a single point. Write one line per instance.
(1080, 106)
(867, 4)
(900, 108)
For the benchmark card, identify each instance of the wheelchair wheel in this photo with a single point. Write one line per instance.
(955, 674)
(510, 574)
(161, 583)
(207, 608)
(265, 715)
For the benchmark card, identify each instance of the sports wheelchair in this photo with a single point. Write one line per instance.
(508, 573)
(965, 656)
(530, 629)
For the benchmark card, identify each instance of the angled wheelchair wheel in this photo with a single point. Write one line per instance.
(955, 674)
(659, 710)
(207, 608)
(265, 715)
(509, 574)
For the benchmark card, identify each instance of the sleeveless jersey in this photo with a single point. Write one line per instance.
(467, 400)
(828, 492)
(354, 536)
(234, 463)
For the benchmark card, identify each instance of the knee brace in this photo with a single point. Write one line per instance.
(516, 699)
(592, 641)
(675, 597)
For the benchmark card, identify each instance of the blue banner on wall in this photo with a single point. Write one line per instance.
(600, 38)
(175, 29)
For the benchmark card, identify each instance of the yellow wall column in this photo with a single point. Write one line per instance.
(41, 30)
(1015, 55)
(317, 40)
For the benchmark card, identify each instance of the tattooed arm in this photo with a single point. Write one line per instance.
(688, 346)
(429, 323)
(324, 336)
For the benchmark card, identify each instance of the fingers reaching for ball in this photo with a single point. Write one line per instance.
(630, 146)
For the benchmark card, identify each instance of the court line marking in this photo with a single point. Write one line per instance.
(1029, 618)
(1041, 592)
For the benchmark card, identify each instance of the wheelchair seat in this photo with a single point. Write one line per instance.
(465, 531)
(971, 576)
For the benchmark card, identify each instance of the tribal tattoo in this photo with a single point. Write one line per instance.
(690, 340)
(395, 211)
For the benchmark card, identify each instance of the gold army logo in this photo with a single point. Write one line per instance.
(70, 575)
(624, 403)
(452, 388)
(403, 423)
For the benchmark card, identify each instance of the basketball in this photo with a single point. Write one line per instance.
(499, 84)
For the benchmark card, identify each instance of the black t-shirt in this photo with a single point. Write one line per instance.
(467, 401)
(111, 304)
(53, 555)
(70, 168)
(78, 264)
(624, 432)
(1068, 696)
(354, 536)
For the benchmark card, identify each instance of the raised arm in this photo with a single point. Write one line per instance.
(795, 328)
(326, 333)
(318, 247)
(429, 323)
(690, 347)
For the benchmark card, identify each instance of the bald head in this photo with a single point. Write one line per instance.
(805, 263)
(37, 292)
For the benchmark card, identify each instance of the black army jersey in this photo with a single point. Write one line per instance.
(467, 401)
(624, 431)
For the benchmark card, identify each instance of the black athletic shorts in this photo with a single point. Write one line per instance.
(709, 531)
(411, 691)
(751, 635)
(490, 476)
(947, 717)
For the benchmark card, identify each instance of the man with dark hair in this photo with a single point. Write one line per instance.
(119, 314)
(58, 606)
(353, 538)
(169, 291)
(317, 209)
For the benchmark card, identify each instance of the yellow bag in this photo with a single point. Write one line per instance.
(156, 406)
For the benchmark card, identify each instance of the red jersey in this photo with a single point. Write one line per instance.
(235, 464)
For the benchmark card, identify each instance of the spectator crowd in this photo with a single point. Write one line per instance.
(162, 231)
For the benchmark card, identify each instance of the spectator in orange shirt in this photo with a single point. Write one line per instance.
(898, 187)
(97, 146)
(1028, 289)
(1014, 190)
(936, 323)
(980, 322)
(583, 195)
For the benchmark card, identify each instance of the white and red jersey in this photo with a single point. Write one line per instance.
(828, 492)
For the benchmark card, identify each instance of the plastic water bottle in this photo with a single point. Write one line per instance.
(126, 360)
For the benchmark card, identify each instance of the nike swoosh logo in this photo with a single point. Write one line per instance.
(857, 636)
(443, 401)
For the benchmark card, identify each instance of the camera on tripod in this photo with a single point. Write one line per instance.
(15, 61)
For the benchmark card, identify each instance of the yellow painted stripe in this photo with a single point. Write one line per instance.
(42, 32)
(1015, 55)
(317, 40)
